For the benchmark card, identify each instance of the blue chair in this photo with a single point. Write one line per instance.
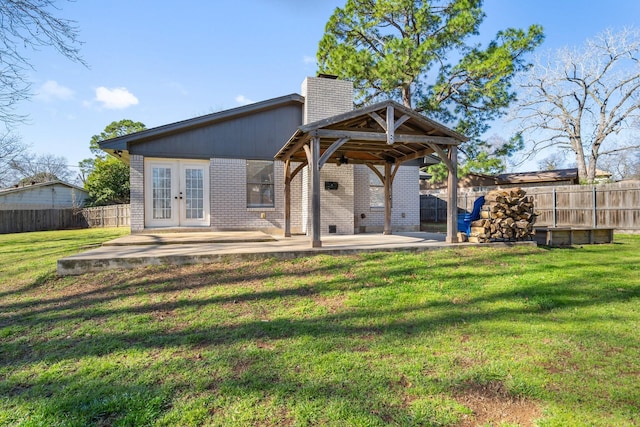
(465, 220)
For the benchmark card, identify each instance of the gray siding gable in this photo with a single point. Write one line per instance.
(255, 131)
(48, 195)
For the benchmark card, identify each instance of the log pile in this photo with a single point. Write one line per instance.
(506, 215)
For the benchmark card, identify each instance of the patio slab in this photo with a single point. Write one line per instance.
(176, 250)
(183, 238)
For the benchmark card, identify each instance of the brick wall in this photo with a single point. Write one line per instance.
(405, 212)
(229, 202)
(325, 98)
(136, 192)
(296, 201)
(337, 205)
(305, 200)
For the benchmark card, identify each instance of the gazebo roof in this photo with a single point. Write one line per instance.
(386, 132)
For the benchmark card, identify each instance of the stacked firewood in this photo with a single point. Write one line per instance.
(506, 215)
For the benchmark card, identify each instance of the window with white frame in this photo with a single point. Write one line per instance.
(260, 187)
(376, 189)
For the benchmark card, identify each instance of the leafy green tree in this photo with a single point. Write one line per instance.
(403, 49)
(105, 177)
(108, 183)
(114, 130)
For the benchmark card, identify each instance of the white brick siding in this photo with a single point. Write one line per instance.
(229, 198)
(405, 196)
(325, 98)
(336, 206)
(405, 215)
(297, 220)
(136, 192)
(342, 207)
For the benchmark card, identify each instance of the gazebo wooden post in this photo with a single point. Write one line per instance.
(316, 242)
(387, 198)
(452, 203)
(287, 198)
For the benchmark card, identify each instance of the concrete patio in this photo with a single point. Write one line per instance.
(208, 247)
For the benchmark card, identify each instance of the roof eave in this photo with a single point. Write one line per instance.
(121, 143)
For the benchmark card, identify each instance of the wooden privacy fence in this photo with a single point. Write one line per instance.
(108, 216)
(18, 221)
(607, 205)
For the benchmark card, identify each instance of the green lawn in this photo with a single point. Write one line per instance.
(475, 336)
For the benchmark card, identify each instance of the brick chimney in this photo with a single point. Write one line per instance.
(325, 96)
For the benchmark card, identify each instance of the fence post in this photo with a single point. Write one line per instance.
(595, 208)
(555, 219)
(437, 200)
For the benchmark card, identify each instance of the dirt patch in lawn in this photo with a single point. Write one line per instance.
(493, 405)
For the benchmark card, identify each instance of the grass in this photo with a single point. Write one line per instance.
(475, 336)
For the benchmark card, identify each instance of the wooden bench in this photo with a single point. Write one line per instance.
(567, 236)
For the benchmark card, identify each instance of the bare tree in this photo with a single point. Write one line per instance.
(580, 101)
(11, 147)
(31, 167)
(551, 162)
(623, 165)
(28, 25)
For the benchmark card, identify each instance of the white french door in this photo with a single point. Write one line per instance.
(176, 193)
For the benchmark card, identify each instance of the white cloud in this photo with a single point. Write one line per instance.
(243, 100)
(308, 59)
(52, 90)
(115, 99)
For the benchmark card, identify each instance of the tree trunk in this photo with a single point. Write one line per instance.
(406, 95)
(591, 170)
(580, 161)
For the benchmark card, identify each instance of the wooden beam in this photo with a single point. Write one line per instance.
(332, 149)
(287, 198)
(415, 155)
(376, 171)
(316, 241)
(379, 120)
(388, 181)
(401, 121)
(298, 169)
(378, 136)
(391, 128)
(307, 153)
(444, 157)
(294, 148)
(452, 202)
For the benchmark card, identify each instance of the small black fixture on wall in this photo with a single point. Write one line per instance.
(330, 185)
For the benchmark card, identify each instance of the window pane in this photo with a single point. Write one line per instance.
(161, 193)
(260, 187)
(376, 195)
(376, 189)
(194, 201)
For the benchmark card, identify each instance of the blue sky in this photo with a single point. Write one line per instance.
(162, 61)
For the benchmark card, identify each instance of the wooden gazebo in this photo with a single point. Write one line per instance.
(386, 134)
